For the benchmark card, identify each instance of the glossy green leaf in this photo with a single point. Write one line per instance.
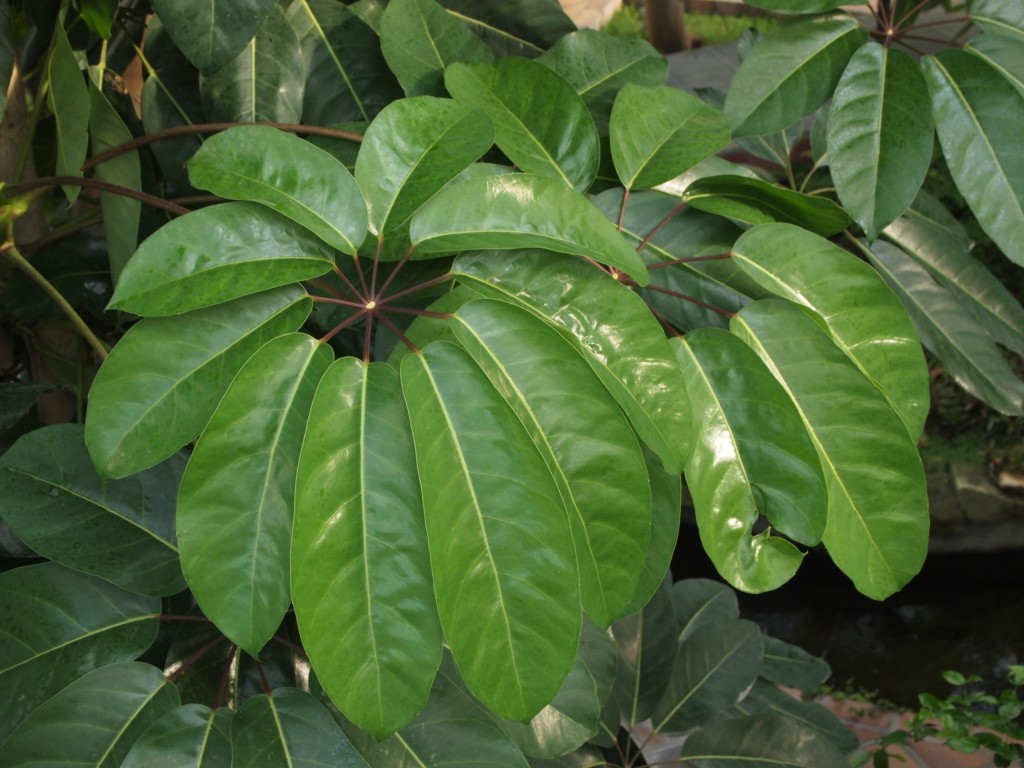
(419, 39)
(790, 665)
(440, 138)
(347, 78)
(93, 721)
(999, 17)
(69, 101)
(598, 66)
(58, 625)
(791, 73)
(977, 116)
(162, 381)
(696, 602)
(753, 201)
(521, 211)
(752, 458)
(657, 133)
(877, 529)
(215, 254)
(288, 174)
(590, 449)
(797, 6)
(514, 27)
(760, 741)
(501, 550)
(262, 82)
(880, 135)
(192, 736)
(967, 351)
(7, 54)
(369, 626)
(236, 498)
(1005, 54)
(99, 16)
(120, 530)
(627, 349)
(540, 122)
(776, 147)
(598, 651)
(944, 252)
(715, 665)
(288, 727)
(861, 314)
(212, 32)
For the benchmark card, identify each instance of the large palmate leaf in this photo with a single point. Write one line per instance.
(369, 624)
(121, 530)
(760, 741)
(236, 498)
(977, 116)
(791, 73)
(69, 101)
(441, 138)
(999, 17)
(786, 664)
(346, 76)
(216, 254)
(515, 27)
(292, 176)
(519, 210)
(58, 625)
(419, 39)
(540, 121)
(192, 736)
(590, 448)
(1005, 54)
(865, 320)
(752, 457)
(696, 602)
(262, 82)
(161, 382)
(212, 32)
(93, 721)
(967, 351)
(289, 727)
(501, 550)
(627, 348)
(877, 529)
(880, 135)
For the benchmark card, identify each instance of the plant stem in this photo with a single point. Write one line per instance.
(48, 182)
(691, 299)
(662, 223)
(689, 259)
(420, 287)
(76, 320)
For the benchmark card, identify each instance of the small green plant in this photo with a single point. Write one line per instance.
(627, 21)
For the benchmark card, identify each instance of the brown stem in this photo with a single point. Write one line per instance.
(691, 299)
(419, 312)
(187, 663)
(175, 617)
(689, 259)
(48, 182)
(342, 325)
(398, 268)
(351, 287)
(622, 209)
(338, 302)
(225, 677)
(420, 287)
(398, 332)
(911, 12)
(662, 223)
(289, 644)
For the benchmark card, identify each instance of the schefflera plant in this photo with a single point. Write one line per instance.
(504, 471)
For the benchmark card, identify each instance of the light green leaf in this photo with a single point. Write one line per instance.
(966, 349)
(439, 139)
(501, 550)
(59, 624)
(1005, 54)
(236, 498)
(791, 73)
(192, 736)
(370, 627)
(999, 17)
(977, 116)
(94, 721)
(212, 32)
(288, 727)
(290, 175)
(590, 449)
(174, 371)
(215, 254)
(120, 530)
(877, 529)
(880, 135)
(760, 741)
(419, 39)
(69, 101)
(752, 458)
(540, 122)
(521, 211)
(786, 664)
(696, 602)
(99, 15)
(627, 349)
(513, 27)
(863, 317)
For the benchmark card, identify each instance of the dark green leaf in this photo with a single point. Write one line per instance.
(760, 741)
(419, 39)
(283, 172)
(880, 135)
(15, 400)
(513, 27)
(1005, 54)
(696, 602)
(791, 73)
(540, 122)
(236, 498)
(999, 17)
(121, 530)
(501, 550)
(370, 628)
(786, 664)
(175, 370)
(192, 736)
(69, 101)
(58, 625)
(212, 32)
(774, 147)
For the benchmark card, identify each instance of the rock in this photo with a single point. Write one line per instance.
(943, 506)
(980, 499)
(1010, 482)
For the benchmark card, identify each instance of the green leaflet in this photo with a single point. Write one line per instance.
(237, 495)
(192, 733)
(696, 602)
(514, 27)
(786, 664)
(999, 17)
(212, 32)
(369, 626)
(507, 584)
(1005, 54)
(765, 739)
(69, 101)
